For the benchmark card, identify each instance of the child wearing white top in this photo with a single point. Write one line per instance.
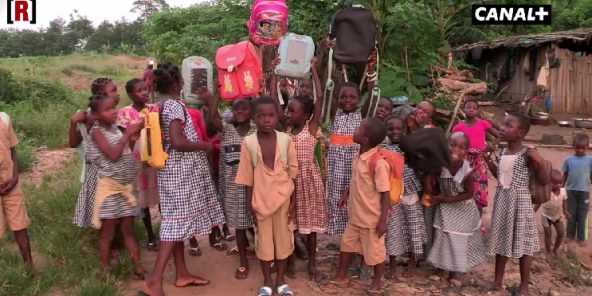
(552, 212)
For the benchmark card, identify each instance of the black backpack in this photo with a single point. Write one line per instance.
(355, 31)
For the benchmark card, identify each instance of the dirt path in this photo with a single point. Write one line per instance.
(47, 161)
(547, 276)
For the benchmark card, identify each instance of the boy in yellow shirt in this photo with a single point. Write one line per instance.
(12, 204)
(268, 167)
(368, 205)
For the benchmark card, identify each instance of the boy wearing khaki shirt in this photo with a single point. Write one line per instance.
(12, 204)
(368, 204)
(270, 191)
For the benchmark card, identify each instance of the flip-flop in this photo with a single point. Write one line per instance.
(241, 273)
(370, 292)
(232, 251)
(265, 291)
(194, 283)
(284, 290)
(337, 284)
(219, 246)
(195, 251)
(229, 237)
(455, 283)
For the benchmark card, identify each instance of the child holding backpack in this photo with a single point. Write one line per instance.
(188, 197)
(115, 203)
(147, 191)
(342, 149)
(268, 168)
(234, 195)
(513, 227)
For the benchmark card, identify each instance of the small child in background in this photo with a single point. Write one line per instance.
(368, 205)
(577, 172)
(476, 130)
(115, 204)
(406, 233)
(147, 191)
(303, 119)
(234, 195)
(513, 231)
(422, 117)
(458, 241)
(552, 211)
(12, 203)
(268, 166)
(384, 108)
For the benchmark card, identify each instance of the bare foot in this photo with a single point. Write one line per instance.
(524, 291)
(152, 288)
(391, 274)
(190, 280)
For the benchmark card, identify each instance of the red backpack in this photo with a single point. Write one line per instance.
(239, 71)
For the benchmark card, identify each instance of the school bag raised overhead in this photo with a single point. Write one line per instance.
(197, 73)
(295, 53)
(239, 71)
(268, 21)
(354, 31)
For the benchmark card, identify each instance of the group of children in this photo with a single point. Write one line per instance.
(270, 182)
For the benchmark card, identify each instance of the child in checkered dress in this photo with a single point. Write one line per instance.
(234, 195)
(513, 231)
(311, 212)
(340, 155)
(406, 226)
(458, 242)
(188, 197)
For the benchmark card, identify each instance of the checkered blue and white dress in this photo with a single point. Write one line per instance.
(188, 197)
(234, 195)
(123, 170)
(340, 160)
(513, 231)
(458, 242)
(86, 196)
(406, 228)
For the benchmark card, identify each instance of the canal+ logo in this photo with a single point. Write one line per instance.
(21, 11)
(511, 14)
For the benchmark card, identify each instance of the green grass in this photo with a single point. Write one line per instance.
(66, 257)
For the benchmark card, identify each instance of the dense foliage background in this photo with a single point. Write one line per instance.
(413, 35)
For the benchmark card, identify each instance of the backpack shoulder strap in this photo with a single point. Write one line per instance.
(253, 146)
(283, 140)
(373, 160)
(5, 118)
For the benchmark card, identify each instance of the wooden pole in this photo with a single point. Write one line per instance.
(456, 108)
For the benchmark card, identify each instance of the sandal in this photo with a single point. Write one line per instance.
(265, 291)
(219, 246)
(195, 251)
(229, 237)
(370, 292)
(241, 273)
(284, 290)
(455, 283)
(232, 251)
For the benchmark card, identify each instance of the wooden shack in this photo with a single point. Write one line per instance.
(512, 65)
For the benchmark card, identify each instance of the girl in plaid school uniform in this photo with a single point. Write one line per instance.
(311, 213)
(406, 233)
(188, 198)
(513, 231)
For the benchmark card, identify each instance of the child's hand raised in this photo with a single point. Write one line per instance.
(78, 117)
(205, 95)
(533, 154)
(372, 60)
(275, 62)
(314, 62)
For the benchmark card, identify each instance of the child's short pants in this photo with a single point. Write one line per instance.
(274, 238)
(364, 241)
(12, 210)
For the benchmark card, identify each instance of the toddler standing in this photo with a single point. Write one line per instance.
(552, 211)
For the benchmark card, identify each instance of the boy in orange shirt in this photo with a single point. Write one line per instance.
(368, 205)
(268, 167)
(12, 204)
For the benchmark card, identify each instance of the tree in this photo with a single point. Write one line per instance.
(147, 7)
(78, 30)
